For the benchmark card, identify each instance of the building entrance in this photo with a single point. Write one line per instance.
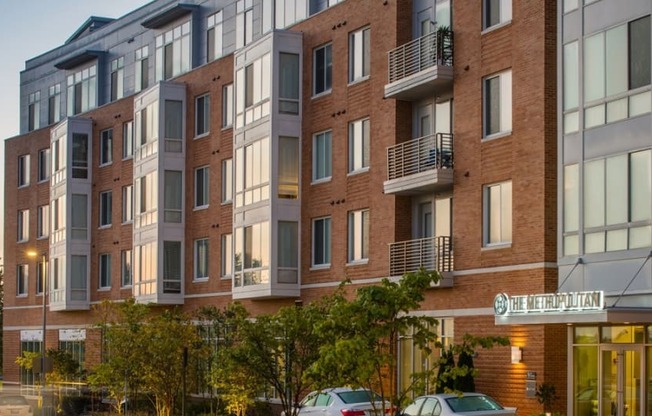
(621, 380)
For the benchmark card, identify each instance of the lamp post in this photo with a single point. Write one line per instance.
(44, 321)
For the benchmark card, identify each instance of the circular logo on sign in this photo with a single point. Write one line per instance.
(501, 304)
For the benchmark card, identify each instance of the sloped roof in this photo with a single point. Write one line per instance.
(89, 26)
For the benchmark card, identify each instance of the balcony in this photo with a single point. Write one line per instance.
(420, 165)
(432, 253)
(422, 67)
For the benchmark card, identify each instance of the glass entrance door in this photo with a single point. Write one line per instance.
(622, 375)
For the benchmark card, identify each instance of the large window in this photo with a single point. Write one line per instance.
(227, 105)
(359, 54)
(117, 78)
(54, 104)
(288, 167)
(322, 164)
(43, 221)
(106, 146)
(202, 186)
(214, 36)
(173, 196)
(321, 242)
(173, 126)
(126, 268)
(172, 267)
(146, 196)
(40, 276)
(227, 181)
(496, 12)
(244, 22)
(79, 156)
(358, 235)
(105, 271)
(571, 87)
(252, 173)
(498, 213)
(106, 208)
(359, 143)
(227, 255)
(33, 111)
(142, 68)
(146, 126)
(253, 91)
(318, 5)
(497, 103)
(289, 12)
(288, 252)
(201, 259)
(617, 207)
(23, 226)
(571, 209)
(82, 91)
(173, 52)
(323, 69)
(617, 61)
(78, 276)
(127, 204)
(252, 251)
(79, 216)
(21, 280)
(202, 115)
(289, 80)
(128, 140)
(23, 170)
(43, 165)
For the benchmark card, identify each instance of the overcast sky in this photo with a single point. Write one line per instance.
(29, 28)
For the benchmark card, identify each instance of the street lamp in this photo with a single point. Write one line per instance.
(34, 254)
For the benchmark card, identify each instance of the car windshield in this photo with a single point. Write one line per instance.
(472, 404)
(358, 396)
(12, 400)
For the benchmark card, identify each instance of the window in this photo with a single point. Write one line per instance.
(146, 127)
(33, 111)
(43, 165)
(79, 217)
(54, 104)
(227, 105)
(173, 196)
(227, 255)
(23, 226)
(322, 156)
(21, 280)
(252, 251)
(323, 69)
(173, 126)
(40, 268)
(59, 214)
(42, 221)
(289, 79)
(358, 145)
(214, 36)
(497, 103)
(288, 167)
(202, 179)
(571, 210)
(496, 12)
(289, 12)
(252, 173)
(244, 22)
(359, 54)
(127, 139)
(318, 5)
(288, 252)
(201, 259)
(78, 276)
(571, 87)
(79, 156)
(126, 268)
(106, 146)
(117, 78)
(105, 271)
(106, 200)
(358, 235)
(142, 68)
(173, 52)
(146, 198)
(321, 241)
(253, 91)
(617, 207)
(23, 170)
(498, 213)
(127, 204)
(82, 91)
(227, 181)
(202, 115)
(171, 267)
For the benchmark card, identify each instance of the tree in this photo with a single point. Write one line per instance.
(445, 380)
(362, 336)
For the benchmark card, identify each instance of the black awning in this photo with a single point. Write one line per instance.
(78, 59)
(170, 15)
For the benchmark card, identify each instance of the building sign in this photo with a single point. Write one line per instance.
(548, 302)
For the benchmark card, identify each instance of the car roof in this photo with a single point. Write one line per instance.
(449, 395)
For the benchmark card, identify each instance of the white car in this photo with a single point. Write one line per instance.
(468, 404)
(14, 406)
(343, 401)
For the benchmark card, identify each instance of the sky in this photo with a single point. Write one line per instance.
(29, 28)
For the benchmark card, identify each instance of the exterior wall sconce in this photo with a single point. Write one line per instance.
(517, 355)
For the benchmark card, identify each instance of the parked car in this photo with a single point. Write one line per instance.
(469, 404)
(342, 401)
(15, 406)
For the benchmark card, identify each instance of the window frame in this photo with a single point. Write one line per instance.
(327, 161)
(357, 145)
(357, 58)
(42, 221)
(126, 270)
(128, 141)
(204, 192)
(227, 181)
(104, 274)
(22, 280)
(504, 14)
(106, 147)
(326, 68)
(226, 254)
(23, 176)
(202, 115)
(227, 106)
(505, 216)
(43, 171)
(127, 204)
(22, 226)
(197, 246)
(105, 219)
(117, 78)
(327, 243)
(505, 104)
(352, 230)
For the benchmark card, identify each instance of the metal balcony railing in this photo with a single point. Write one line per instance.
(419, 155)
(433, 253)
(435, 48)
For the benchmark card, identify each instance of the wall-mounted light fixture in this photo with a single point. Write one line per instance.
(517, 355)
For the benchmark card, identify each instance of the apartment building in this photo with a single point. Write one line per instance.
(200, 152)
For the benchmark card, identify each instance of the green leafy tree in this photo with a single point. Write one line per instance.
(445, 380)
(362, 336)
